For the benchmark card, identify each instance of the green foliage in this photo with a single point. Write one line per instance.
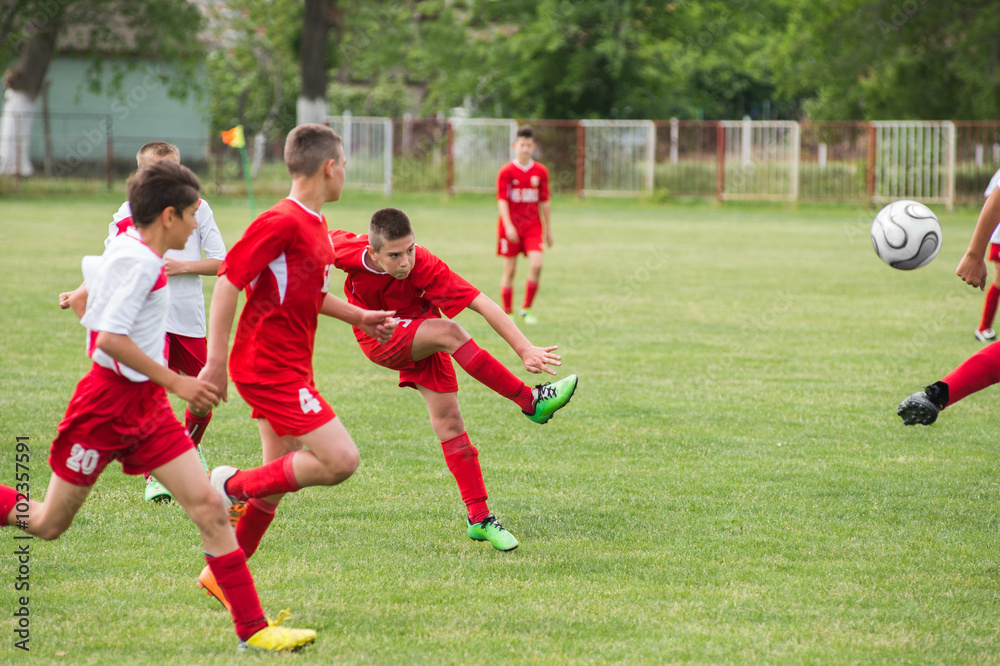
(254, 70)
(909, 59)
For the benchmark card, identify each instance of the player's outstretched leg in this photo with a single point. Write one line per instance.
(922, 408)
(489, 529)
(548, 398)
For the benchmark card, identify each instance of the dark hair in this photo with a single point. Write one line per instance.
(388, 224)
(159, 186)
(526, 132)
(308, 147)
(158, 149)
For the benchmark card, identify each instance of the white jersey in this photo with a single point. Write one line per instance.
(994, 181)
(129, 296)
(187, 300)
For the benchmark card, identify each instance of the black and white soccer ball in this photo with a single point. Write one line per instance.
(906, 235)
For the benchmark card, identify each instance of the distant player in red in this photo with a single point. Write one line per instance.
(283, 261)
(980, 370)
(523, 200)
(387, 270)
(120, 410)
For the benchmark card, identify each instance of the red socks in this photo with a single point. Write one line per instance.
(251, 527)
(273, 478)
(980, 370)
(507, 298)
(530, 289)
(462, 459)
(196, 425)
(482, 367)
(233, 576)
(989, 307)
(9, 498)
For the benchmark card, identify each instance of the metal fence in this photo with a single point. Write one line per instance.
(946, 162)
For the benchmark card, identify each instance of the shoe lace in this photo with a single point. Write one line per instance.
(491, 520)
(283, 615)
(545, 391)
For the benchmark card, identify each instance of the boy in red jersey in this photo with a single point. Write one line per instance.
(387, 270)
(120, 410)
(981, 369)
(523, 200)
(284, 260)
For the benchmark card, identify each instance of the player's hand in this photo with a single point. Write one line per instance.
(215, 376)
(174, 267)
(973, 271)
(548, 239)
(197, 393)
(511, 233)
(538, 359)
(378, 324)
(64, 299)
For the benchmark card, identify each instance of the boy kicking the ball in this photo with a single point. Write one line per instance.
(120, 410)
(387, 270)
(283, 261)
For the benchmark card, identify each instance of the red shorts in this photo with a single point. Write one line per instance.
(186, 355)
(292, 408)
(994, 253)
(434, 372)
(529, 240)
(112, 418)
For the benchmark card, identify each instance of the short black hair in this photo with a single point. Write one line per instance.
(309, 146)
(159, 186)
(386, 225)
(526, 132)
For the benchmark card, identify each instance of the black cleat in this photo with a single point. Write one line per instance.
(918, 409)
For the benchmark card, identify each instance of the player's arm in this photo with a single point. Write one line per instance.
(377, 324)
(197, 393)
(972, 267)
(75, 300)
(220, 324)
(508, 226)
(535, 359)
(200, 267)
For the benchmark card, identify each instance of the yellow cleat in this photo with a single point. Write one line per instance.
(274, 638)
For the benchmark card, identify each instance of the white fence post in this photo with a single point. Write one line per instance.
(949, 200)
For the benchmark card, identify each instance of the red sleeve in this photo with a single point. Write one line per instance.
(263, 242)
(503, 184)
(342, 248)
(543, 186)
(442, 286)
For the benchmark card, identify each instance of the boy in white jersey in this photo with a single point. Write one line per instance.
(186, 328)
(120, 410)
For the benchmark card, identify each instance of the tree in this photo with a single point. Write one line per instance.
(865, 59)
(317, 19)
(153, 28)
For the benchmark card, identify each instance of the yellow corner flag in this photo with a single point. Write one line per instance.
(234, 137)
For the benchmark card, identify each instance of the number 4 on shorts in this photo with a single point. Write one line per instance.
(308, 403)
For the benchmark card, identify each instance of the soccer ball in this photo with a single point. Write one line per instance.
(906, 235)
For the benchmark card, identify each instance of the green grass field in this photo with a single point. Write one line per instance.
(729, 485)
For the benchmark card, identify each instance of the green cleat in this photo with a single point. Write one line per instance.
(528, 318)
(155, 492)
(490, 530)
(550, 398)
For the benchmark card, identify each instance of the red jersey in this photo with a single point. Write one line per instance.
(523, 188)
(429, 290)
(283, 261)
